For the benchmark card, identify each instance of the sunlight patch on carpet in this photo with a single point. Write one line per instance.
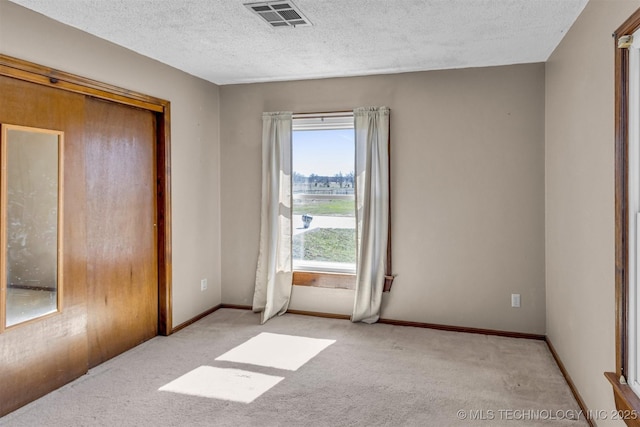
(226, 384)
(277, 351)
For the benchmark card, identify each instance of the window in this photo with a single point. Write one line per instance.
(633, 199)
(276, 270)
(324, 223)
(324, 208)
(626, 379)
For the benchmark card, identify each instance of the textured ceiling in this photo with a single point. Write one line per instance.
(223, 42)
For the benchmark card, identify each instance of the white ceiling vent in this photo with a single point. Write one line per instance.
(279, 13)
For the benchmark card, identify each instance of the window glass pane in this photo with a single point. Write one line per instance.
(324, 221)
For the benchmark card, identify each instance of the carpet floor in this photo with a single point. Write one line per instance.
(366, 375)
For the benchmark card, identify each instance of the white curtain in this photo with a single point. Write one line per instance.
(274, 273)
(372, 209)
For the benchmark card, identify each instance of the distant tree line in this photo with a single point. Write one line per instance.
(340, 180)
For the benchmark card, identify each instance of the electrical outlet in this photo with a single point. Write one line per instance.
(203, 284)
(515, 300)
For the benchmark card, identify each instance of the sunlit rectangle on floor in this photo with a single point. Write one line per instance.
(227, 384)
(277, 351)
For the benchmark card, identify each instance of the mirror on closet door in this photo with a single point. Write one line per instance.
(30, 223)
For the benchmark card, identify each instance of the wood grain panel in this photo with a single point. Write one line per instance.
(53, 78)
(324, 279)
(163, 172)
(121, 220)
(35, 73)
(38, 357)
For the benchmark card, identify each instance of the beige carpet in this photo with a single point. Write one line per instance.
(372, 375)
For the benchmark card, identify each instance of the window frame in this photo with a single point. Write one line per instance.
(320, 122)
(633, 204)
(340, 279)
(626, 400)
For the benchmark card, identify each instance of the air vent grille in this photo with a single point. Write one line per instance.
(270, 16)
(289, 14)
(279, 14)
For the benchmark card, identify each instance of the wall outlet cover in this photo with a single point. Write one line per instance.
(515, 300)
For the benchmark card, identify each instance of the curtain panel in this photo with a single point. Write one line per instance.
(372, 210)
(274, 274)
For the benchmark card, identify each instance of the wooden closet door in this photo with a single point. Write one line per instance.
(122, 272)
(41, 355)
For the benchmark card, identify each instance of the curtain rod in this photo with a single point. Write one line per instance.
(320, 114)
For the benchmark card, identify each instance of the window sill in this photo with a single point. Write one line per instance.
(324, 279)
(324, 267)
(321, 279)
(627, 402)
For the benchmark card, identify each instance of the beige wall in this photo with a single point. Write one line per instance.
(468, 170)
(194, 136)
(467, 191)
(580, 199)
